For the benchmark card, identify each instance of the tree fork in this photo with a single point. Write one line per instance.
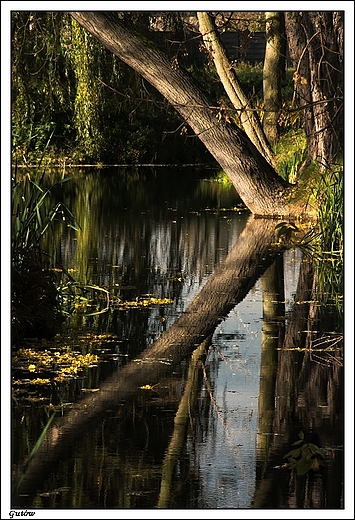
(255, 180)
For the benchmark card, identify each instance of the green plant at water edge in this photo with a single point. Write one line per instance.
(32, 454)
(35, 306)
(33, 215)
(222, 178)
(331, 222)
(305, 457)
(324, 242)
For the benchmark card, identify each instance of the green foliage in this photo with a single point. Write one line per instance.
(330, 238)
(291, 153)
(305, 457)
(32, 215)
(324, 242)
(222, 178)
(35, 308)
(39, 81)
(84, 53)
(99, 110)
(250, 78)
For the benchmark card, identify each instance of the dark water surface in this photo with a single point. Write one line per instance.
(213, 431)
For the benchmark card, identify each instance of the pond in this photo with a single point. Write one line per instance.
(242, 373)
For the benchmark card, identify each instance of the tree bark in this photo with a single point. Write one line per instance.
(226, 73)
(315, 41)
(256, 182)
(272, 75)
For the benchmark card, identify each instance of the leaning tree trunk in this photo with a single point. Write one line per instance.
(315, 41)
(227, 75)
(256, 182)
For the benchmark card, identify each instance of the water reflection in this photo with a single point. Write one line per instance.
(166, 430)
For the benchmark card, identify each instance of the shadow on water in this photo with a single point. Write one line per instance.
(171, 425)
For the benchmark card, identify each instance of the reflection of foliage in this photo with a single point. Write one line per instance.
(33, 453)
(305, 457)
(75, 296)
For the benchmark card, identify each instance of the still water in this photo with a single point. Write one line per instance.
(210, 431)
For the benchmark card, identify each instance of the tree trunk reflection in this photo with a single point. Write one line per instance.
(272, 283)
(308, 398)
(253, 252)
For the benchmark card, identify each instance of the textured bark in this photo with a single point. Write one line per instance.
(315, 41)
(227, 75)
(272, 72)
(256, 182)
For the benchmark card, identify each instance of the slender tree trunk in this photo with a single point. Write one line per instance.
(256, 182)
(227, 75)
(272, 75)
(315, 41)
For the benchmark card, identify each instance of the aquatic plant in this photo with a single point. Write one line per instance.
(324, 241)
(33, 453)
(306, 457)
(35, 308)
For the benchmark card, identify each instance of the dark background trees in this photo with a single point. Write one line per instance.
(316, 42)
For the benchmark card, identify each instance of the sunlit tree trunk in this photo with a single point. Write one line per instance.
(227, 75)
(256, 182)
(272, 73)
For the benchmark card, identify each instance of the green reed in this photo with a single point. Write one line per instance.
(325, 242)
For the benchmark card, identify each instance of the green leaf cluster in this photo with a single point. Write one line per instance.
(306, 457)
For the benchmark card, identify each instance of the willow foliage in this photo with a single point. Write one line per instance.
(98, 109)
(84, 54)
(39, 79)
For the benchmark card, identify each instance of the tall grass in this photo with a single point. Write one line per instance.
(331, 224)
(34, 298)
(325, 242)
(32, 454)
(33, 213)
(291, 153)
